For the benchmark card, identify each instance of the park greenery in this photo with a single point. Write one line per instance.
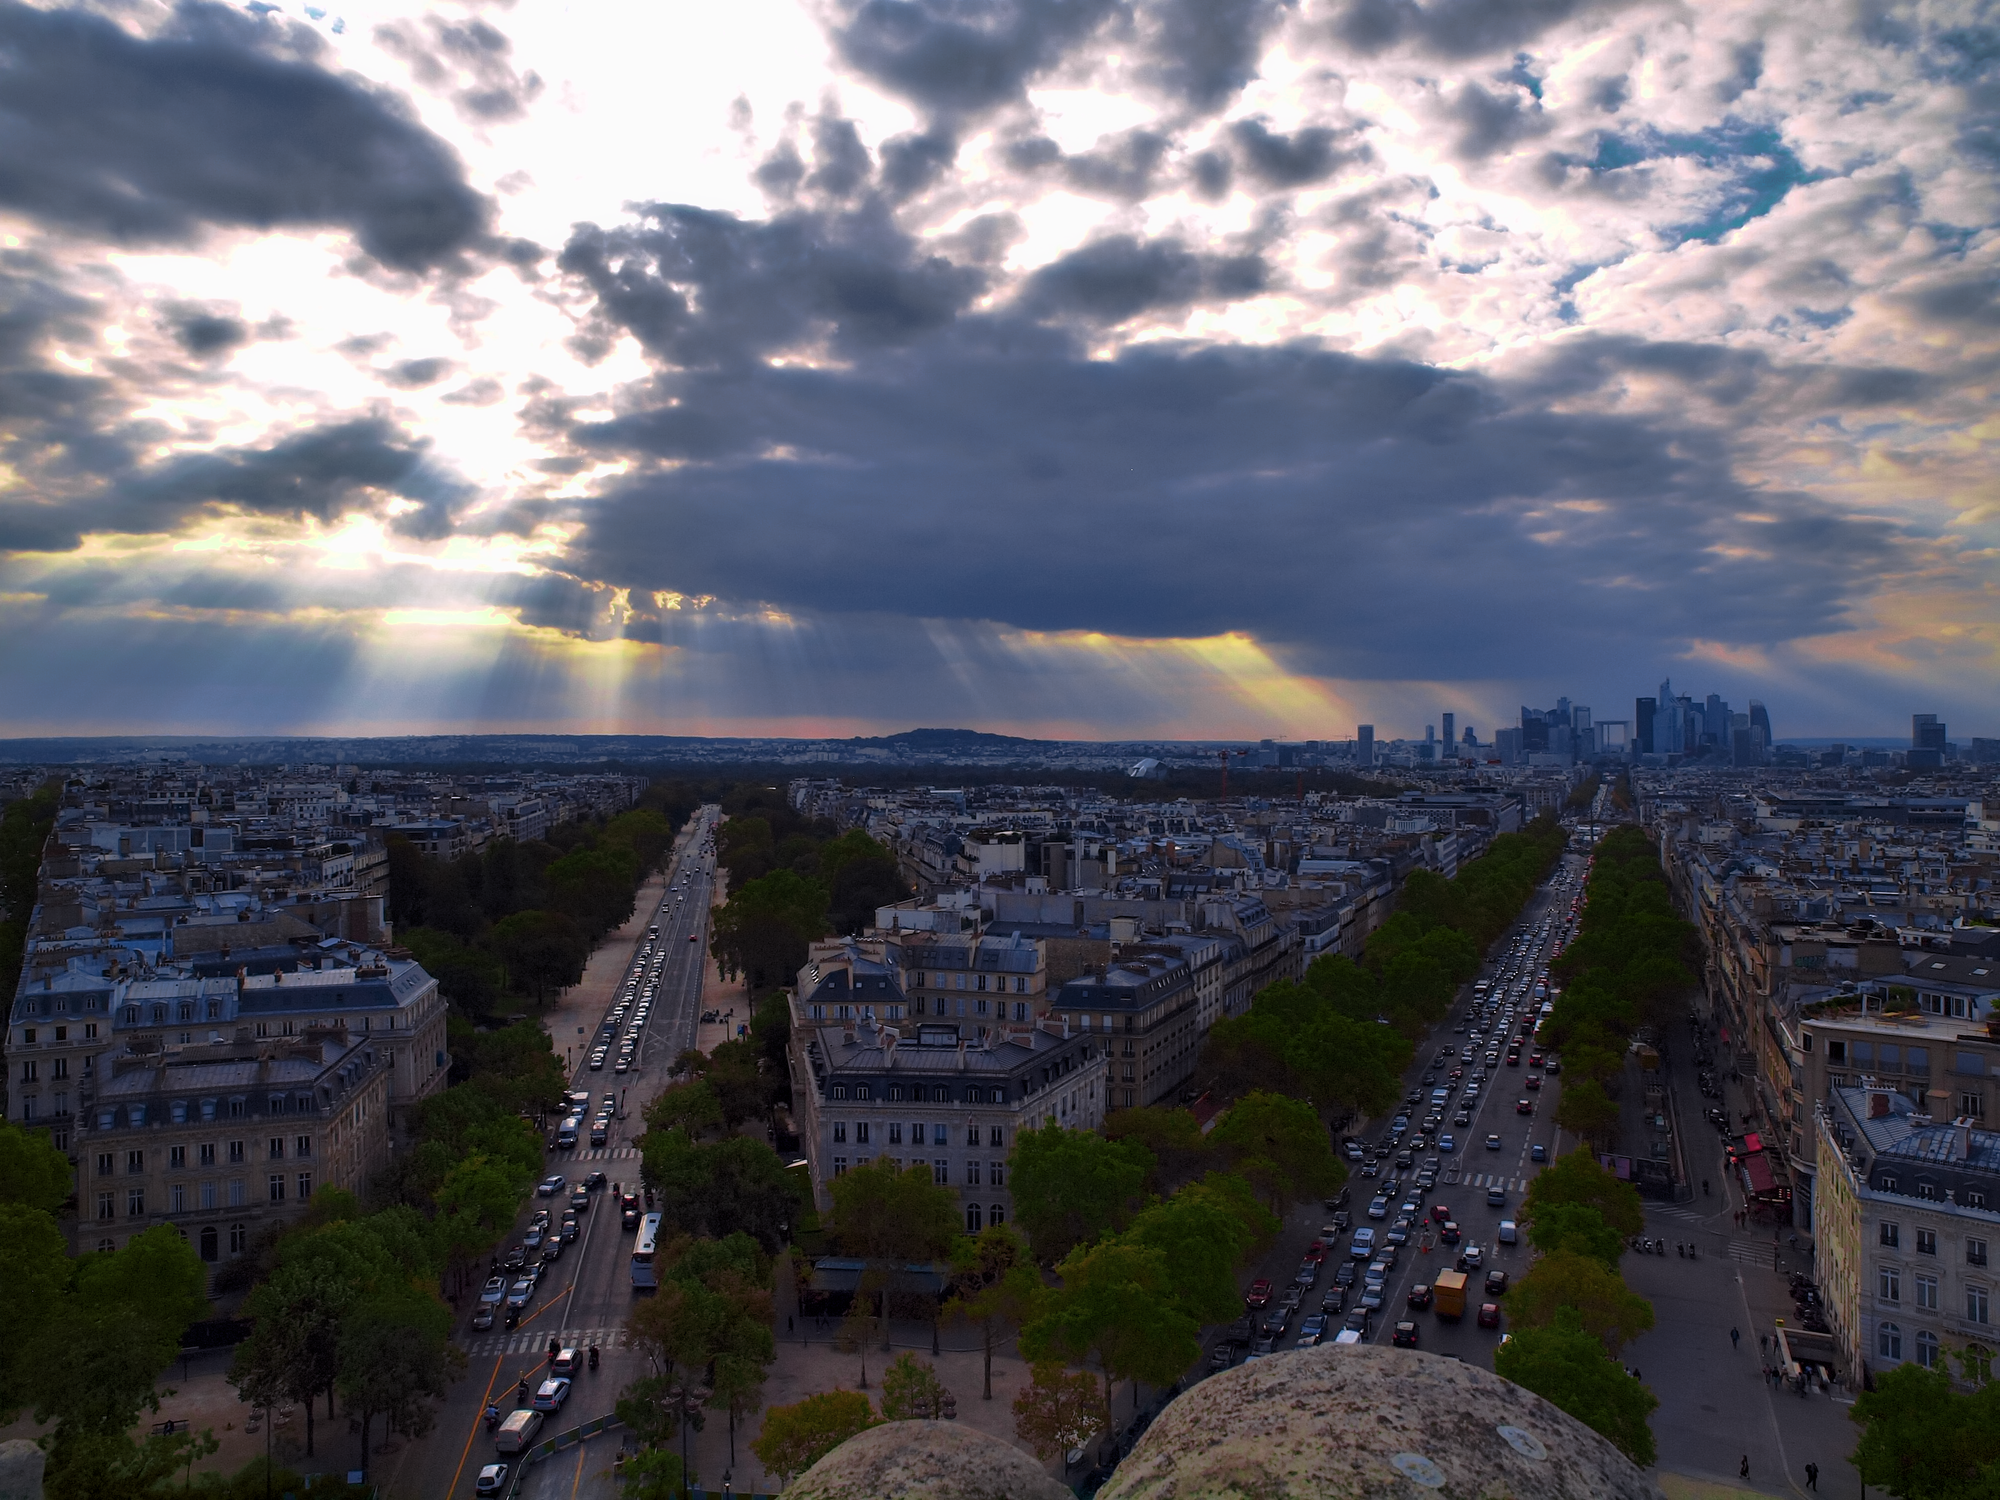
(1925, 1436)
(791, 879)
(1565, 1363)
(796, 1437)
(518, 918)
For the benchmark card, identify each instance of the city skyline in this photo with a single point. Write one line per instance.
(1088, 371)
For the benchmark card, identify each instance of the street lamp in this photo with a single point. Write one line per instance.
(684, 1402)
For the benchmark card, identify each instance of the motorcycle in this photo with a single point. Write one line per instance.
(492, 1418)
(593, 1356)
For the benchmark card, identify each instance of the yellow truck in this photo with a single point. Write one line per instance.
(1448, 1294)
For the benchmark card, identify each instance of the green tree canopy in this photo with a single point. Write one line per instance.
(1577, 1178)
(1563, 1363)
(32, 1171)
(1058, 1410)
(1926, 1439)
(798, 1436)
(1577, 1227)
(763, 930)
(993, 1284)
(1564, 1281)
(1201, 1242)
(1072, 1186)
(36, 1256)
(1116, 1304)
(1281, 1147)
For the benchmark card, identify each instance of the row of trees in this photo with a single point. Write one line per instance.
(1629, 967)
(791, 879)
(520, 917)
(1572, 1312)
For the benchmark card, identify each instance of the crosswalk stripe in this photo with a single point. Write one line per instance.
(531, 1341)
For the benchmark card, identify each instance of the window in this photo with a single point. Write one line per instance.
(304, 1185)
(861, 1132)
(1889, 1284)
(177, 1158)
(106, 1164)
(1889, 1341)
(1973, 1105)
(1974, 1199)
(239, 1192)
(863, 1091)
(1020, 988)
(104, 1208)
(840, 1091)
(895, 1133)
(1927, 1242)
(1888, 1184)
(840, 1132)
(1927, 1349)
(996, 1135)
(277, 1187)
(275, 1104)
(941, 1173)
(238, 1238)
(1978, 1363)
(972, 1135)
(996, 1174)
(105, 1247)
(981, 982)
(135, 1203)
(1020, 1010)
(28, 1034)
(208, 1109)
(302, 1146)
(972, 1174)
(940, 1135)
(972, 1218)
(177, 1198)
(208, 1153)
(895, 1093)
(1975, 1304)
(276, 1151)
(980, 1007)
(839, 1166)
(208, 1195)
(208, 1245)
(135, 1161)
(1927, 1293)
(235, 1153)
(1975, 1252)
(997, 1214)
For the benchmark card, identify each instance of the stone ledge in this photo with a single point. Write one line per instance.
(925, 1461)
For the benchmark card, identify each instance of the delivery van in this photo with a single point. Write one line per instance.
(520, 1429)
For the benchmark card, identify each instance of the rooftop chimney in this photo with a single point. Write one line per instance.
(1960, 1145)
(1878, 1104)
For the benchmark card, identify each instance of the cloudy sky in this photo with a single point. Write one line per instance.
(1077, 367)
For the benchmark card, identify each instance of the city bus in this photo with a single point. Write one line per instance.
(642, 1253)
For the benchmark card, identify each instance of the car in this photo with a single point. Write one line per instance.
(517, 1257)
(1357, 1321)
(1352, 1151)
(1462, 1119)
(1221, 1357)
(1334, 1301)
(1492, 1143)
(1513, 1059)
(552, 1251)
(492, 1480)
(1399, 1232)
(1314, 1325)
(495, 1290)
(550, 1186)
(1404, 1159)
(1413, 1206)
(1291, 1299)
(482, 1317)
(629, 1219)
(1363, 1243)
(1378, 1270)
(1448, 1143)
(1534, 1059)
(1470, 1257)
(594, 1182)
(1496, 1197)
(1420, 1296)
(1552, 1067)
(1489, 1315)
(550, 1394)
(1342, 1222)
(1405, 1335)
(1345, 1272)
(1372, 1297)
(519, 1293)
(1538, 1152)
(1259, 1294)
(1307, 1274)
(1378, 1208)
(532, 1240)
(597, 1062)
(580, 1199)
(569, 1233)
(623, 1065)
(1262, 1347)
(691, 937)
(1448, 1232)
(1524, 1106)
(1274, 1323)
(1371, 1168)
(1316, 1251)
(1534, 1080)
(1496, 1282)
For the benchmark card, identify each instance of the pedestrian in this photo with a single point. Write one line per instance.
(1734, 1337)
(788, 1324)
(1743, 1469)
(1812, 1476)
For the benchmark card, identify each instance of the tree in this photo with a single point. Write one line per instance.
(292, 1353)
(910, 1389)
(1281, 1147)
(36, 1256)
(1117, 1305)
(762, 932)
(542, 949)
(1586, 1110)
(993, 1284)
(397, 1360)
(651, 1474)
(1924, 1438)
(1201, 1242)
(1577, 1227)
(1563, 1282)
(1058, 1410)
(736, 1384)
(798, 1436)
(1173, 1136)
(1072, 1186)
(890, 1214)
(1565, 1364)
(1577, 1178)
(32, 1171)
(691, 1107)
(476, 1204)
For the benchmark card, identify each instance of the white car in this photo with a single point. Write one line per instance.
(494, 1291)
(550, 1395)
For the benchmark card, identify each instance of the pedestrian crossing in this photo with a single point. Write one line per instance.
(1750, 1252)
(1494, 1179)
(536, 1341)
(1685, 1215)
(605, 1153)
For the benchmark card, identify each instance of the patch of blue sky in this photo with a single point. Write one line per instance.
(1523, 74)
(1760, 167)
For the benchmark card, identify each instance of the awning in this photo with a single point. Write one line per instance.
(1752, 1142)
(1757, 1174)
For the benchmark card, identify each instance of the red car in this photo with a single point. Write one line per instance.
(1260, 1293)
(1439, 1213)
(1489, 1315)
(1524, 1106)
(1316, 1252)
(1534, 1059)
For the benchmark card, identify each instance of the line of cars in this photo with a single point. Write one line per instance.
(625, 1023)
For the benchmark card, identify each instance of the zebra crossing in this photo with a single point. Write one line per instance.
(1685, 1215)
(605, 1153)
(536, 1341)
(1750, 1252)
(1495, 1179)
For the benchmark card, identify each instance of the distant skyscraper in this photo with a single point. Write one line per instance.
(1760, 720)
(1642, 724)
(1450, 742)
(1926, 733)
(1364, 744)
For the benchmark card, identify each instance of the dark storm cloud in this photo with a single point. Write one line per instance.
(415, 374)
(1455, 28)
(1119, 277)
(204, 332)
(1493, 122)
(467, 62)
(1204, 51)
(697, 287)
(149, 140)
(955, 59)
(1306, 156)
(1120, 166)
(841, 164)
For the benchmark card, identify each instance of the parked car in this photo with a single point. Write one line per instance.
(1538, 1152)
(492, 1480)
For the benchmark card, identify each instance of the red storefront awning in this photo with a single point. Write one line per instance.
(1757, 1174)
